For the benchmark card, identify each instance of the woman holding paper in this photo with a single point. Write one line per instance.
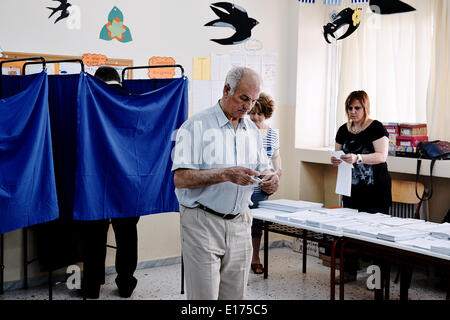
(262, 111)
(365, 144)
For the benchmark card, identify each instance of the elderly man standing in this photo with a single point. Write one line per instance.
(218, 154)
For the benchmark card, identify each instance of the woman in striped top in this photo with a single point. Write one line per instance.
(262, 111)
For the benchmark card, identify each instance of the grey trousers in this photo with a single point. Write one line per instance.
(217, 254)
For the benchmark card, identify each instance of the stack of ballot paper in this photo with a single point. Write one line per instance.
(370, 231)
(319, 220)
(299, 217)
(287, 216)
(399, 234)
(397, 222)
(441, 231)
(425, 226)
(421, 243)
(441, 246)
(344, 211)
(341, 224)
(262, 213)
(288, 205)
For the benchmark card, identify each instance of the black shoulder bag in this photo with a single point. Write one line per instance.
(433, 150)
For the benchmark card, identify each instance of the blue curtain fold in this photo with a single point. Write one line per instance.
(124, 144)
(27, 180)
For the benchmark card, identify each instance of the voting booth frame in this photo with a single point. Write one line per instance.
(21, 61)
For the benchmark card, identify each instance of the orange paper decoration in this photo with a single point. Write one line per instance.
(160, 73)
(92, 59)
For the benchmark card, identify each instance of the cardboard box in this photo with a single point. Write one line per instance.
(326, 260)
(312, 247)
(410, 141)
(412, 129)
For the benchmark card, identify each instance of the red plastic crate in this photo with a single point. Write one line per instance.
(410, 141)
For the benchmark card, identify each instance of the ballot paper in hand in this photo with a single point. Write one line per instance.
(344, 178)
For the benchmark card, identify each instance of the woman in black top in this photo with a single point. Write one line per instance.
(365, 144)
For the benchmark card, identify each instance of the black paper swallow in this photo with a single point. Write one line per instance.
(389, 6)
(62, 7)
(236, 18)
(345, 17)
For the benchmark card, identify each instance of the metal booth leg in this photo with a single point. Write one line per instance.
(2, 267)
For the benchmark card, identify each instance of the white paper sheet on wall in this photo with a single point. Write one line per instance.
(262, 62)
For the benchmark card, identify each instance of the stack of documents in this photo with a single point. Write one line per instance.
(288, 216)
(344, 211)
(441, 246)
(370, 231)
(399, 234)
(341, 224)
(319, 220)
(397, 222)
(300, 217)
(442, 231)
(421, 243)
(425, 226)
(288, 205)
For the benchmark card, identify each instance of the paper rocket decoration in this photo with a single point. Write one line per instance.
(389, 6)
(348, 17)
(115, 29)
(235, 17)
(63, 8)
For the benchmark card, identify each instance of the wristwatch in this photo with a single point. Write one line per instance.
(358, 159)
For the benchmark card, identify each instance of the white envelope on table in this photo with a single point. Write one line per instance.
(344, 177)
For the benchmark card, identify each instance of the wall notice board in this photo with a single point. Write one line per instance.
(15, 68)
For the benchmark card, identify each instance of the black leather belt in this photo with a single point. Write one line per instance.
(224, 216)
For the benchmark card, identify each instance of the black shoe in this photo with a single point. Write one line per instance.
(90, 293)
(126, 288)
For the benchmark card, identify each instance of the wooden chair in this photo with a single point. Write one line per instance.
(405, 202)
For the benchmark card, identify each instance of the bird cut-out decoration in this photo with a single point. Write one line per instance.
(389, 6)
(63, 8)
(349, 17)
(235, 17)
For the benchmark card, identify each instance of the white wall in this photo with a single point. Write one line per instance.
(159, 28)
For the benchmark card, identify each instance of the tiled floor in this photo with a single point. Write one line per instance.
(286, 282)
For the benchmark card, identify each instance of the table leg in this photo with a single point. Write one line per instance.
(341, 271)
(333, 269)
(304, 251)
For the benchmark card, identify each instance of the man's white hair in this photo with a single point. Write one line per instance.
(235, 75)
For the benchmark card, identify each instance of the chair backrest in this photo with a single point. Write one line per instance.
(404, 191)
(405, 203)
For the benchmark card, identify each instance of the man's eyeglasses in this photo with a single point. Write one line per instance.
(357, 108)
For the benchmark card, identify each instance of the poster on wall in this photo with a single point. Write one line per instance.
(114, 28)
(235, 17)
(206, 93)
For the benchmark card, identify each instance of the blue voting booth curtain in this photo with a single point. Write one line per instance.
(62, 98)
(27, 180)
(124, 145)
